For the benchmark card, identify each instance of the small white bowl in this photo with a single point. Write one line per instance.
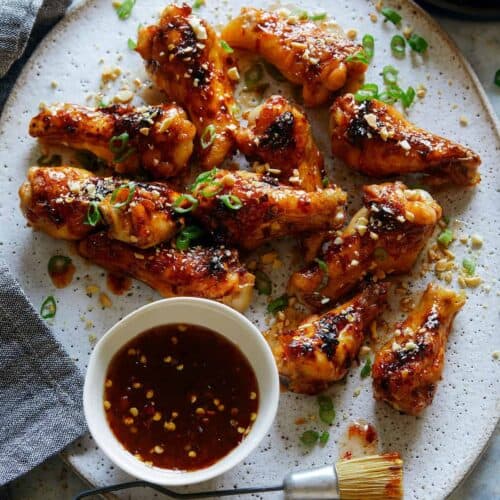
(218, 317)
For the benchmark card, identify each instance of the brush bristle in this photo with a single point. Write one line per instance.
(374, 477)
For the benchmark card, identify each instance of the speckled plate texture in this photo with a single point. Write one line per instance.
(438, 447)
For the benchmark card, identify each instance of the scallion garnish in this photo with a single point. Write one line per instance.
(309, 438)
(208, 136)
(469, 266)
(103, 104)
(58, 264)
(322, 265)
(118, 143)
(226, 47)
(380, 253)
(391, 15)
(390, 75)
(326, 409)
(497, 78)
(132, 44)
(417, 43)
(408, 97)
(53, 161)
(325, 181)
(253, 76)
(208, 176)
(278, 304)
(198, 4)
(367, 368)
(301, 14)
(124, 9)
(398, 45)
(320, 16)
(324, 437)
(359, 56)
(93, 216)
(88, 160)
(212, 189)
(367, 92)
(231, 201)
(446, 237)
(263, 283)
(130, 187)
(369, 46)
(48, 308)
(187, 236)
(180, 207)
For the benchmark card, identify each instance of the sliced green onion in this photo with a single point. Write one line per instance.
(278, 304)
(446, 237)
(212, 189)
(408, 97)
(359, 56)
(367, 368)
(469, 266)
(198, 4)
(253, 75)
(130, 186)
(179, 202)
(263, 283)
(445, 219)
(235, 110)
(309, 438)
(208, 176)
(320, 16)
(324, 437)
(417, 43)
(58, 264)
(226, 47)
(93, 214)
(274, 72)
(390, 75)
(369, 46)
(103, 104)
(208, 136)
(48, 308)
(322, 265)
(497, 78)
(124, 9)
(88, 160)
(300, 13)
(231, 201)
(325, 181)
(398, 45)
(53, 161)
(380, 253)
(367, 92)
(187, 236)
(391, 15)
(132, 44)
(326, 409)
(387, 97)
(118, 143)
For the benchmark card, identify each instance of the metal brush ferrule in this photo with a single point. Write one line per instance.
(314, 484)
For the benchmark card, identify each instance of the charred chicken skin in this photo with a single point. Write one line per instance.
(305, 53)
(375, 139)
(322, 348)
(407, 369)
(185, 59)
(158, 139)
(213, 273)
(386, 236)
(280, 134)
(70, 203)
(247, 209)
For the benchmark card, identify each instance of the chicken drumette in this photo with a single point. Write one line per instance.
(156, 138)
(185, 58)
(375, 138)
(321, 349)
(384, 237)
(406, 370)
(320, 60)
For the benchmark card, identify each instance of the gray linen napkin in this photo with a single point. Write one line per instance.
(40, 386)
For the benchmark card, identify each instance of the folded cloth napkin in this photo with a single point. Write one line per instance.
(40, 386)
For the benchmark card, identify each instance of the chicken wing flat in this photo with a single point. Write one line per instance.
(69, 203)
(156, 138)
(280, 134)
(406, 370)
(305, 53)
(384, 237)
(213, 273)
(185, 59)
(375, 139)
(247, 209)
(322, 348)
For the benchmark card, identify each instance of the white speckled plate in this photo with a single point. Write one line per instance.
(440, 446)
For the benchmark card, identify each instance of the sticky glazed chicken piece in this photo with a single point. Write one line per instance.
(280, 134)
(212, 273)
(247, 209)
(375, 139)
(407, 369)
(69, 203)
(322, 348)
(185, 59)
(384, 237)
(158, 139)
(304, 52)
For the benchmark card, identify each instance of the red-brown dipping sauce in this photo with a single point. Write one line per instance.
(61, 270)
(180, 396)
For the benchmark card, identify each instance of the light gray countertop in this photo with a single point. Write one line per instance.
(480, 42)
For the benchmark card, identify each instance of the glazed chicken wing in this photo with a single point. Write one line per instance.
(280, 134)
(156, 138)
(322, 348)
(185, 59)
(247, 209)
(406, 370)
(69, 203)
(375, 139)
(302, 50)
(213, 273)
(384, 237)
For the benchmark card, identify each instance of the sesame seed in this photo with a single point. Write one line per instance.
(134, 411)
(253, 395)
(108, 383)
(131, 352)
(150, 394)
(179, 367)
(167, 359)
(157, 416)
(143, 359)
(241, 430)
(107, 405)
(158, 449)
(192, 454)
(200, 411)
(136, 385)
(253, 417)
(128, 420)
(170, 426)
